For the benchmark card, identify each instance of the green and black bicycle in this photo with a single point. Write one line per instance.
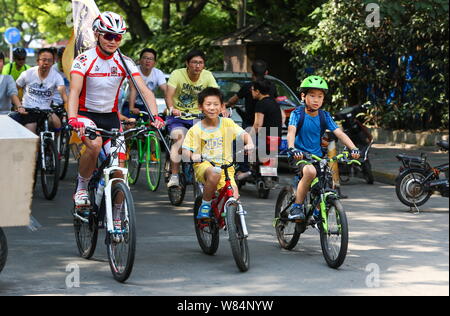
(330, 220)
(144, 149)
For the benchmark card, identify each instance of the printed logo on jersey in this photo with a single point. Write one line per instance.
(82, 58)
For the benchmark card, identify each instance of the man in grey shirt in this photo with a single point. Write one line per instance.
(8, 90)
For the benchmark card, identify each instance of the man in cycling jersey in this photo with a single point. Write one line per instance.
(96, 78)
(18, 65)
(183, 88)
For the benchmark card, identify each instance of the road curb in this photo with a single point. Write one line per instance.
(384, 177)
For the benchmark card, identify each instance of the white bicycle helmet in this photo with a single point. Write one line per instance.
(109, 22)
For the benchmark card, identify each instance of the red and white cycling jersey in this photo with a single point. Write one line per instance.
(103, 77)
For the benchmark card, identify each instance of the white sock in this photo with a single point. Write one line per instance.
(83, 183)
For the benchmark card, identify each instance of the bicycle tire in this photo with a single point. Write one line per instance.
(153, 167)
(238, 242)
(176, 194)
(367, 172)
(122, 270)
(409, 191)
(86, 234)
(3, 249)
(203, 230)
(64, 152)
(52, 170)
(335, 257)
(133, 162)
(286, 230)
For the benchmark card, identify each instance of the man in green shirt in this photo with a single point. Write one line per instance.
(15, 68)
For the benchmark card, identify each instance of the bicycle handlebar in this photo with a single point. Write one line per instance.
(223, 166)
(92, 132)
(309, 159)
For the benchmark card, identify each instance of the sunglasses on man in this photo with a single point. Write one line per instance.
(111, 36)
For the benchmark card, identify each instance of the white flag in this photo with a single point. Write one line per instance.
(84, 14)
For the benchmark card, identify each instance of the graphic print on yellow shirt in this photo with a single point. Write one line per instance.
(216, 144)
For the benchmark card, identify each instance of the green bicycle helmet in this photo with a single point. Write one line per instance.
(314, 82)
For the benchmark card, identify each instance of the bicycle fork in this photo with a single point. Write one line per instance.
(109, 199)
(44, 136)
(240, 211)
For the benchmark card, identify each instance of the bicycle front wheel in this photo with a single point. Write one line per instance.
(3, 249)
(334, 237)
(238, 242)
(49, 169)
(287, 232)
(153, 162)
(121, 243)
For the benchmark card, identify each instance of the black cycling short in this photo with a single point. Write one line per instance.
(106, 121)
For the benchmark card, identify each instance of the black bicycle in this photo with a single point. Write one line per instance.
(186, 173)
(62, 140)
(330, 220)
(112, 207)
(47, 160)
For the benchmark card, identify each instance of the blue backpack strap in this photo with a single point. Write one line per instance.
(301, 119)
(323, 121)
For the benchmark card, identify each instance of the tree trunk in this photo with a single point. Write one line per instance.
(166, 16)
(137, 25)
(193, 10)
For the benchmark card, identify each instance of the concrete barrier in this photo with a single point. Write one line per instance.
(17, 163)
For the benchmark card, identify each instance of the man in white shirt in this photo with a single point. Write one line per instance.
(39, 84)
(153, 78)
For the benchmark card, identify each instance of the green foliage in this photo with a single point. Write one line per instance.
(173, 45)
(352, 56)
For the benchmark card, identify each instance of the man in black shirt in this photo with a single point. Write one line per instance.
(259, 70)
(267, 123)
(267, 110)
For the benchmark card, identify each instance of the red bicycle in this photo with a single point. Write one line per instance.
(228, 214)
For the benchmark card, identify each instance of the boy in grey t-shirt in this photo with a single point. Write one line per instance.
(8, 90)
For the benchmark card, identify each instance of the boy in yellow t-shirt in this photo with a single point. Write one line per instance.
(213, 138)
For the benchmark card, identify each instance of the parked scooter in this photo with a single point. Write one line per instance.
(264, 174)
(417, 179)
(361, 137)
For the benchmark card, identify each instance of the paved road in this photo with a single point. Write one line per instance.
(391, 251)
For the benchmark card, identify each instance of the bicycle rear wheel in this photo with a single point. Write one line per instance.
(3, 249)
(207, 231)
(121, 244)
(49, 169)
(153, 163)
(334, 239)
(287, 232)
(133, 162)
(238, 242)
